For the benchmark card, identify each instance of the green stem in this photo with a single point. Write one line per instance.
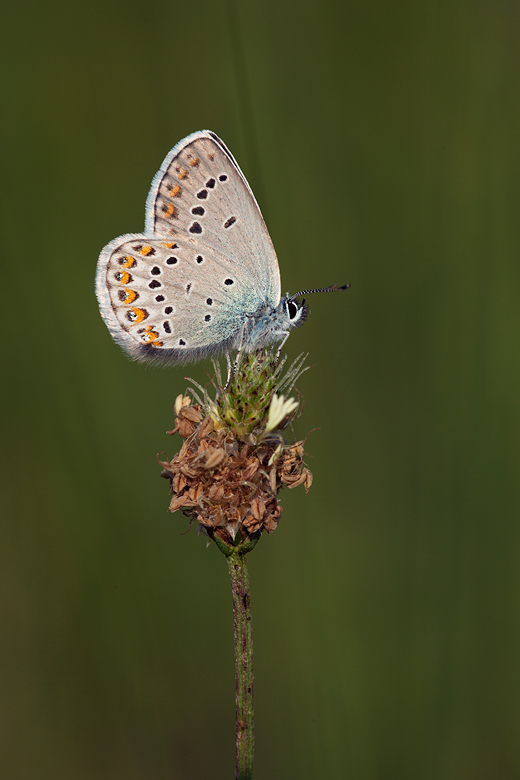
(243, 665)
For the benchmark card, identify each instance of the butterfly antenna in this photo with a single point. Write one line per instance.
(332, 288)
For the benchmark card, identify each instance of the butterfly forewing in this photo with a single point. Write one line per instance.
(201, 194)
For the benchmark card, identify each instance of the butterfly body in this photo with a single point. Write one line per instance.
(203, 277)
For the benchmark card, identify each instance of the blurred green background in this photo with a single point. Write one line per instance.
(382, 142)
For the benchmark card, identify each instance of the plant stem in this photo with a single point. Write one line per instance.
(243, 665)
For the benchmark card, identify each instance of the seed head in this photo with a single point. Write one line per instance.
(234, 459)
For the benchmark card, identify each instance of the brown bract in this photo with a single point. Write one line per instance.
(230, 485)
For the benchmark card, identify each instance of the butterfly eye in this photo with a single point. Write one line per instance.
(292, 309)
(296, 312)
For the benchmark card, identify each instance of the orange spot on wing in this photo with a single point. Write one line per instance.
(183, 173)
(169, 210)
(150, 336)
(146, 250)
(194, 162)
(139, 315)
(170, 244)
(128, 262)
(175, 191)
(131, 295)
(124, 277)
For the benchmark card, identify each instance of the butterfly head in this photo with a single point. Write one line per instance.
(296, 312)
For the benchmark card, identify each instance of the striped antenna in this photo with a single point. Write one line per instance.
(332, 288)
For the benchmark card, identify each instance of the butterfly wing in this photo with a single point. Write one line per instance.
(171, 300)
(183, 289)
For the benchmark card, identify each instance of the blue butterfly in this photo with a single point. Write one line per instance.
(203, 278)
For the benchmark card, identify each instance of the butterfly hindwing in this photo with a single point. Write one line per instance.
(162, 303)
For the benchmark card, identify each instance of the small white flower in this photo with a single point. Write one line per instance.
(280, 408)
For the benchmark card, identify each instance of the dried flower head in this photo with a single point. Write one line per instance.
(234, 459)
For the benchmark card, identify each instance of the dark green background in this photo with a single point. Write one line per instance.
(382, 141)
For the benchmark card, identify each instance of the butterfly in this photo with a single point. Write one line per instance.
(203, 278)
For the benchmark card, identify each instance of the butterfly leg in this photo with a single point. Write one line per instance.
(285, 334)
(232, 371)
(228, 361)
(239, 351)
(237, 361)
